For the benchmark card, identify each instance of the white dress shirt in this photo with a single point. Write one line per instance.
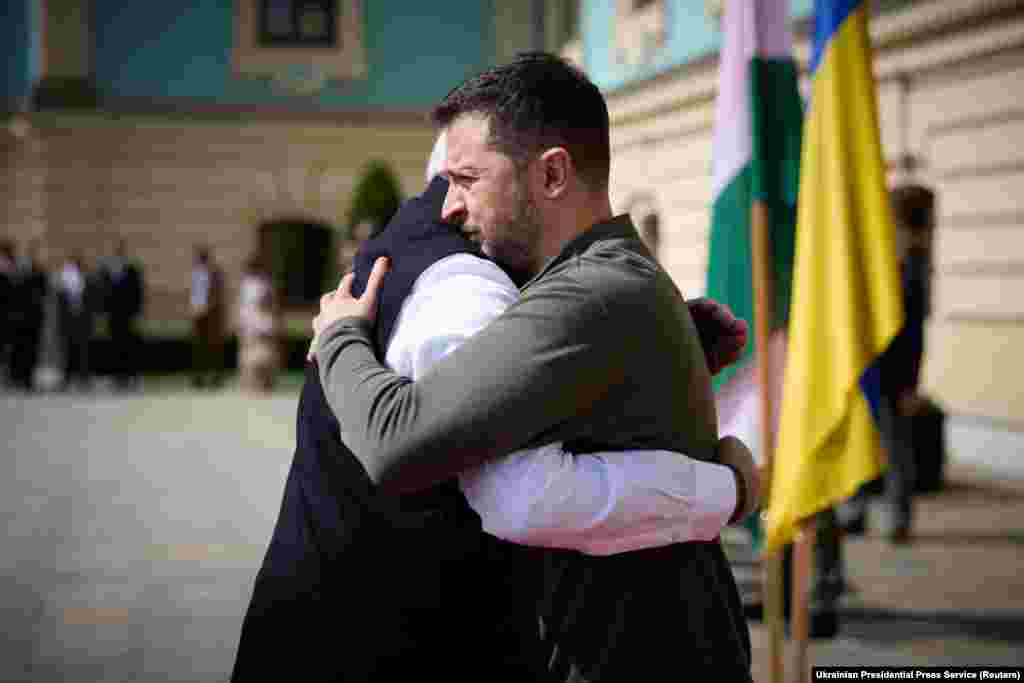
(254, 317)
(200, 296)
(598, 503)
(73, 283)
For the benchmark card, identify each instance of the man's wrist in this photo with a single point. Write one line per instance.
(347, 325)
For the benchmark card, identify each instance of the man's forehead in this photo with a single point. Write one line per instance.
(467, 136)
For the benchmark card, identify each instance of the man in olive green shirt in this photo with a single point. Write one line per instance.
(599, 352)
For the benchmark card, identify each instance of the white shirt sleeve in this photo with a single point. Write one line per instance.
(599, 503)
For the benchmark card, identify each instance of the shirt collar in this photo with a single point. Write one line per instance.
(617, 227)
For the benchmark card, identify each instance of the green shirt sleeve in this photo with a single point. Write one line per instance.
(524, 380)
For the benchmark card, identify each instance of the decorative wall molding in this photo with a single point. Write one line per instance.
(346, 61)
(988, 27)
(186, 110)
(639, 31)
(993, 444)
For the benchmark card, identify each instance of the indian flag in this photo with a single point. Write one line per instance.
(756, 156)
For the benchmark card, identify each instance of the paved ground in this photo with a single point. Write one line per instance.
(132, 531)
(133, 526)
(955, 596)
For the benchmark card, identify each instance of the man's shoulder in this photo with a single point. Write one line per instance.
(610, 281)
(618, 272)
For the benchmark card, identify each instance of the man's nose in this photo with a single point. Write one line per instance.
(454, 208)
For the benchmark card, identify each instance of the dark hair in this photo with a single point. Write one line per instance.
(537, 102)
(255, 263)
(914, 207)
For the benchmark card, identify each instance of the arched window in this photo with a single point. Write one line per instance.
(297, 252)
(650, 232)
(643, 209)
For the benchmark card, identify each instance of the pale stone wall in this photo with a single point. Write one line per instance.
(950, 85)
(82, 181)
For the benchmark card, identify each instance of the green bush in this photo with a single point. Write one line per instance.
(376, 198)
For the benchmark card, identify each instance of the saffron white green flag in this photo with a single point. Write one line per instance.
(756, 156)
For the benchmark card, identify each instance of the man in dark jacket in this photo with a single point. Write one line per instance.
(78, 296)
(7, 280)
(599, 351)
(123, 289)
(29, 302)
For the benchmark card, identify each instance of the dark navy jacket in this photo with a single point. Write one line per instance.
(357, 586)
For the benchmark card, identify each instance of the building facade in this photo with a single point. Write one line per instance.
(175, 124)
(169, 124)
(950, 78)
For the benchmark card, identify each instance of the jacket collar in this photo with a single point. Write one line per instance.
(617, 227)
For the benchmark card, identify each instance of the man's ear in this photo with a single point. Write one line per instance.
(556, 169)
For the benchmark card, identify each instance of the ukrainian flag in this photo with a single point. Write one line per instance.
(846, 306)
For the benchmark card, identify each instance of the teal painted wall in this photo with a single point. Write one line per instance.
(416, 52)
(690, 34)
(19, 50)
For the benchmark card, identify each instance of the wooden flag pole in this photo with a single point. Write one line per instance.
(803, 554)
(772, 583)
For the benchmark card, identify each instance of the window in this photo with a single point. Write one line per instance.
(643, 209)
(570, 20)
(297, 258)
(639, 31)
(298, 23)
(561, 29)
(650, 233)
(314, 40)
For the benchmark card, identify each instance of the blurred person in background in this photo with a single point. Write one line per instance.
(7, 277)
(207, 308)
(77, 295)
(30, 291)
(124, 289)
(901, 364)
(258, 328)
(900, 369)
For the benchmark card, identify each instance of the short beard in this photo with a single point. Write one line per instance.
(518, 257)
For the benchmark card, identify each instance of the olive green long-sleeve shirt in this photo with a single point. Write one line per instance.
(599, 352)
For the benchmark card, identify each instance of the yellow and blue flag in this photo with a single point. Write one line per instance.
(846, 306)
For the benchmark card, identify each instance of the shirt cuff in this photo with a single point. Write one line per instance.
(716, 487)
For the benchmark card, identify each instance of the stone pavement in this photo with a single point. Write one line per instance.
(132, 529)
(954, 596)
(133, 526)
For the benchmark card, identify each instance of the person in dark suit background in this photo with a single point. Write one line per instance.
(76, 306)
(899, 371)
(208, 308)
(7, 276)
(29, 294)
(901, 363)
(124, 292)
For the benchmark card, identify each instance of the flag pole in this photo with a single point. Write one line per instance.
(772, 583)
(803, 553)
